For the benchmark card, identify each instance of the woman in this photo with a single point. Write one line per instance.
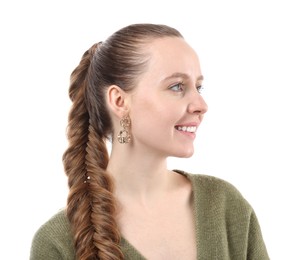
(141, 90)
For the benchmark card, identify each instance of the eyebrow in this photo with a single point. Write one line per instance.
(181, 75)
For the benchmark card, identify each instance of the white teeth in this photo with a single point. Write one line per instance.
(190, 129)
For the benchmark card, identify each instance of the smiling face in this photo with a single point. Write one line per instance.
(166, 107)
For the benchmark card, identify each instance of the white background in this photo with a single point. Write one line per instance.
(248, 57)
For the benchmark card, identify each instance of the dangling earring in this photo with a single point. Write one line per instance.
(124, 136)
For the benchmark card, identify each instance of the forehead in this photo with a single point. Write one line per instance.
(173, 55)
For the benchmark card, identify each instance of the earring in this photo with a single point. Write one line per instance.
(124, 136)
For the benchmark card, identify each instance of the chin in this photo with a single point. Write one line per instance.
(184, 154)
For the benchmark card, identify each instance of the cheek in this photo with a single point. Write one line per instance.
(149, 117)
(155, 112)
(152, 110)
(143, 106)
(153, 126)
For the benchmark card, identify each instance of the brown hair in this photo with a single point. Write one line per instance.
(91, 210)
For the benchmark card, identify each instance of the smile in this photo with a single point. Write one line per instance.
(189, 129)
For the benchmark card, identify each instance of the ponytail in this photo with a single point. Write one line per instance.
(120, 61)
(90, 205)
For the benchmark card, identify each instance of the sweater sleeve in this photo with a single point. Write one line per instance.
(52, 241)
(256, 246)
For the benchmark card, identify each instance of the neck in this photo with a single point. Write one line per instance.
(135, 173)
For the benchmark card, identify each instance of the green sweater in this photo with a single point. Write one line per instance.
(226, 227)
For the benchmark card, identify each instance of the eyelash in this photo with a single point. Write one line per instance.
(181, 87)
(199, 89)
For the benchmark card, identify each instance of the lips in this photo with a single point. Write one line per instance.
(188, 129)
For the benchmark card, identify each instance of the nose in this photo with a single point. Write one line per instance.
(197, 104)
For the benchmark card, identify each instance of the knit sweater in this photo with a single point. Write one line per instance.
(226, 227)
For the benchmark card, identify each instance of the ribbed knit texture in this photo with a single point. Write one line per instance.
(226, 227)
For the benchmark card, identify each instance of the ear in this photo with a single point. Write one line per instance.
(117, 101)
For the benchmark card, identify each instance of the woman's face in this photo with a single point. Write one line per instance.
(166, 106)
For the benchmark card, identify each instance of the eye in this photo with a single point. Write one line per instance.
(178, 87)
(199, 89)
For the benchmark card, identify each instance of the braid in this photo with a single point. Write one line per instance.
(91, 205)
(106, 236)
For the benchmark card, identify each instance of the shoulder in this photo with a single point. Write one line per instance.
(53, 240)
(215, 191)
(210, 183)
(226, 221)
(57, 226)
